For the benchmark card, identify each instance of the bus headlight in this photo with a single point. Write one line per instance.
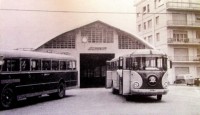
(136, 80)
(165, 80)
(136, 85)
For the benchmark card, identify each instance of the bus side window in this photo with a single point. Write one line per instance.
(72, 65)
(128, 63)
(113, 66)
(63, 65)
(25, 64)
(46, 65)
(108, 65)
(35, 64)
(116, 65)
(11, 65)
(5, 65)
(68, 65)
(15, 64)
(120, 63)
(55, 65)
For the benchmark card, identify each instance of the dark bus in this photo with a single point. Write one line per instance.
(26, 74)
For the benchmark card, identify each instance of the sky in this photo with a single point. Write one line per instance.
(30, 23)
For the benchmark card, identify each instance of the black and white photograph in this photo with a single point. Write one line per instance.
(99, 57)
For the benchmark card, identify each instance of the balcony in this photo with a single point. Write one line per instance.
(186, 59)
(183, 41)
(186, 6)
(181, 23)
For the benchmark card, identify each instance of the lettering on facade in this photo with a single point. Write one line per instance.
(97, 48)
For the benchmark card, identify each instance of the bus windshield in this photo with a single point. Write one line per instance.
(149, 63)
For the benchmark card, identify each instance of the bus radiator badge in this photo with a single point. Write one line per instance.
(152, 80)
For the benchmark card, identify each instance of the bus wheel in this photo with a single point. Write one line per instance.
(61, 90)
(159, 97)
(114, 91)
(8, 98)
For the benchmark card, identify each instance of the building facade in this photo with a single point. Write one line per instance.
(92, 45)
(174, 27)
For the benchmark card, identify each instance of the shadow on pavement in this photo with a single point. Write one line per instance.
(143, 99)
(35, 100)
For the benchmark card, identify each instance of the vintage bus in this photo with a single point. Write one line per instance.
(143, 72)
(26, 74)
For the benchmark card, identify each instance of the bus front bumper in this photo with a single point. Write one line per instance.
(149, 91)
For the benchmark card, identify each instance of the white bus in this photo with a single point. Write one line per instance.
(143, 72)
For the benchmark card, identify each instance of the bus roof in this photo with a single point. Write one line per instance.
(147, 52)
(141, 53)
(33, 54)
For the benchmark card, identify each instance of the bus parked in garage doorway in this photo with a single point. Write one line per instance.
(143, 72)
(25, 74)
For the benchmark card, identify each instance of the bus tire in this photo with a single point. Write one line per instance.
(114, 91)
(159, 97)
(61, 90)
(8, 98)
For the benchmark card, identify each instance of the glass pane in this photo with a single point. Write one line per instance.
(46, 65)
(63, 65)
(55, 65)
(25, 64)
(35, 64)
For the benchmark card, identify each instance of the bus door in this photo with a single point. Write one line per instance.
(120, 74)
(126, 75)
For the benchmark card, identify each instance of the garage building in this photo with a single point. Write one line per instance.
(92, 45)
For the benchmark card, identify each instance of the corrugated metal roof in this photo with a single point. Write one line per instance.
(98, 21)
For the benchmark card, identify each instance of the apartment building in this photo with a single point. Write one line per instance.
(174, 27)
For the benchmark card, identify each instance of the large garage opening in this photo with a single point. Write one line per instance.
(93, 69)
